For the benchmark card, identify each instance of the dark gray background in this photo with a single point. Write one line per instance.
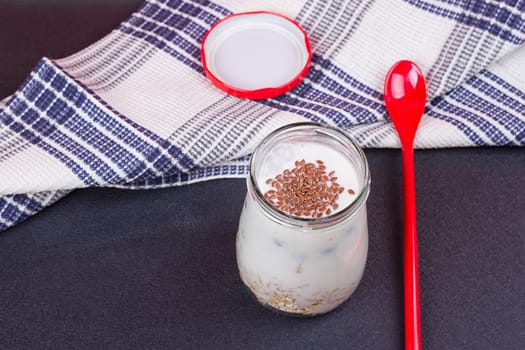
(156, 269)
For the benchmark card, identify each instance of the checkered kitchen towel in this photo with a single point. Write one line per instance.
(134, 110)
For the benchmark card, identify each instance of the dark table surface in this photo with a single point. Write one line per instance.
(115, 269)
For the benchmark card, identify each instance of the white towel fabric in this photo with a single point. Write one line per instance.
(135, 110)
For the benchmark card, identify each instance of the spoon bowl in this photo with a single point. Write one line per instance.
(405, 98)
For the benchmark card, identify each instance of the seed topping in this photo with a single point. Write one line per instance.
(307, 190)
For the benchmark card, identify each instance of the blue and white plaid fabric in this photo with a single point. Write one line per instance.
(134, 110)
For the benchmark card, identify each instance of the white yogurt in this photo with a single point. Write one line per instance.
(304, 266)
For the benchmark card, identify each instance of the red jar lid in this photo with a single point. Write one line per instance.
(256, 55)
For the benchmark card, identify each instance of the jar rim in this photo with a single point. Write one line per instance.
(307, 223)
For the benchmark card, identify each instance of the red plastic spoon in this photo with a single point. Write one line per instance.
(405, 99)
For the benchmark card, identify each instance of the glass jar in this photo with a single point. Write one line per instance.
(302, 240)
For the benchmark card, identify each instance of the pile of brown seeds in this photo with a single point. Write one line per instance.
(307, 190)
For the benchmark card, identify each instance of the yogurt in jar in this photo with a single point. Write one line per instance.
(299, 250)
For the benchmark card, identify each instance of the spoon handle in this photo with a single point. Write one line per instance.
(411, 269)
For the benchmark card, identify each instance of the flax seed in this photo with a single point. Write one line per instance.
(305, 191)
